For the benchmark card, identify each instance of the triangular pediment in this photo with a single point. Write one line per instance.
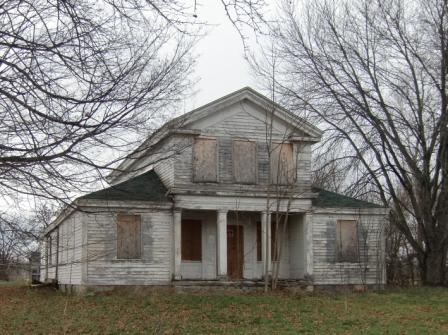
(248, 110)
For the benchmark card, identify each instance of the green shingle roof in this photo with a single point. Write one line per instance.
(145, 187)
(335, 200)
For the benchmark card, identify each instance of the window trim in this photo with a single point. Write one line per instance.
(141, 237)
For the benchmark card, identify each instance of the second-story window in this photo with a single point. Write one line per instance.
(245, 161)
(283, 165)
(204, 160)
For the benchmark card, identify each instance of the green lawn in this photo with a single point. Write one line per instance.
(410, 311)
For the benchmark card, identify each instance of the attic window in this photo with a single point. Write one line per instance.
(245, 161)
(283, 167)
(128, 236)
(347, 241)
(204, 160)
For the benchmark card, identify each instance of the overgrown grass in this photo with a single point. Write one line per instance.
(411, 311)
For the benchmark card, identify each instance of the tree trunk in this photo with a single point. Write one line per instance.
(434, 269)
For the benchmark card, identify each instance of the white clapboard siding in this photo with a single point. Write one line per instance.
(67, 252)
(296, 247)
(159, 157)
(103, 267)
(239, 121)
(326, 269)
(165, 171)
(70, 250)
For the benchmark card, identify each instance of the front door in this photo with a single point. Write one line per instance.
(235, 252)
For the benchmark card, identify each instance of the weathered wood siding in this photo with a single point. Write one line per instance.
(240, 122)
(69, 252)
(165, 171)
(370, 267)
(160, 158)
(296, 247)
(103, 267)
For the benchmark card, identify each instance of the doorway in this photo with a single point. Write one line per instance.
(235, 252)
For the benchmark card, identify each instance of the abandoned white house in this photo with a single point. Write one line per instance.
(199, 199)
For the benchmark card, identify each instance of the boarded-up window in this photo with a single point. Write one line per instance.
(347, 240)
(128, 236)
(259, 244)
(245, 161)
(204, 160)
(283, 167)
(191, 240)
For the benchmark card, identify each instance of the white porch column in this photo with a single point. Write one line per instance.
(221, 243)
(264, 217)
(309, 254)
(177, 220)
(268, 241)
(265, 242)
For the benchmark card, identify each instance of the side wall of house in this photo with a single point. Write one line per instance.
(65, 260)
(154, 267)
(369, 269)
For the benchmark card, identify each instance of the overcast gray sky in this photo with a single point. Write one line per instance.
(220, 66)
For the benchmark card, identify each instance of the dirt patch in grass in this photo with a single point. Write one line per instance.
(46, 311)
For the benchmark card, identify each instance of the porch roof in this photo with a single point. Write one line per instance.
(328, 199)
(145, 187)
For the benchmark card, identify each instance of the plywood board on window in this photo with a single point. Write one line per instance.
(245, 161)
(128, 236)
(347, 240)
(204, 160)
(191, 240)
(283, 165)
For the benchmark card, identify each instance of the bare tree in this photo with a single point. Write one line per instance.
(78, 78)
(374, 75)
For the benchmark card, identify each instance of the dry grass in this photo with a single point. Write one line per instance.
(411, 311)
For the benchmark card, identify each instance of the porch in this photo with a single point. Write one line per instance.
(236, 247)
